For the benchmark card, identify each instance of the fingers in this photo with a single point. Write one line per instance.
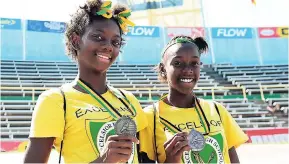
(119, 148)
(122, 151)
(119, 151)
(119, 144)
(179, 137)
(123, 138)
(121, 155)
(181, 151)
(182, 134)
(179, 146)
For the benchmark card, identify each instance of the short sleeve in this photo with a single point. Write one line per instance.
(234, 134)
(48, 116)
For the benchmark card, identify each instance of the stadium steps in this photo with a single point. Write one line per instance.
(217, 77)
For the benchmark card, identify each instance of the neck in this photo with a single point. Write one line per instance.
(95, 79)
(180, 100)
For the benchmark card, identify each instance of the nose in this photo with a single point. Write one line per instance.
(107, 46)
(188, 70)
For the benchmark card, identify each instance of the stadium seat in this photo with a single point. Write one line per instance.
(19, 77)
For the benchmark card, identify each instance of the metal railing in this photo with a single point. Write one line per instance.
(262, 87)
(213, 89)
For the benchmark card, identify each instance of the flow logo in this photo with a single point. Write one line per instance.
(144, 31)
(232, 33)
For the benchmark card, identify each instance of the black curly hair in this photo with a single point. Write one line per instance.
(82, 18)
(200, 43)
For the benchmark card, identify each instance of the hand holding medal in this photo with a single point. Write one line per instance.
(176, 146)
(125, 126)
(183, 141)
(118, 148)
(196, 141)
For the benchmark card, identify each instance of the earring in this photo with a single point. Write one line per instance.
(163, 74)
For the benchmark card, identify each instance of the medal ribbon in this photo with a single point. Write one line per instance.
(170, 126)
(103, 102)
(202, 117)
(121, 96)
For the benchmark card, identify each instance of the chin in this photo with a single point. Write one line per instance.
(100, 69)
(186, 90)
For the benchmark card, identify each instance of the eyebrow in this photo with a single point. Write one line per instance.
(99, 30)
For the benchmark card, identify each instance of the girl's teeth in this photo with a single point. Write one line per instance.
(104, 57)
(186, 80)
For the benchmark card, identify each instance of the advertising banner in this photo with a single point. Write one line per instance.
(11, 24)
(45, 26)
(283, 32)
(232, 33)
(186, 31)
(138, 5)
(18, 146)
(144, 31)
(268, 32)
(270, 136)
(273, 32)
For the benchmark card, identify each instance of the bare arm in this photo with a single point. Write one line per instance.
(38, 150)
(233, 155)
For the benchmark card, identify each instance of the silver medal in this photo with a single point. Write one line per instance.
(125, 126)
(196, 140)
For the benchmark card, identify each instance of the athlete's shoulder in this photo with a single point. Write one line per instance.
(126, 93)
(150, 108)
(52, 93)
(209, 102)
(49, 99)
(55, 93)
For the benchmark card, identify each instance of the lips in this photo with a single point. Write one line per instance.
(187, 80)
(103, 56)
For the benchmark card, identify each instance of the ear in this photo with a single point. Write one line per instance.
(162, 68)
(75, 41)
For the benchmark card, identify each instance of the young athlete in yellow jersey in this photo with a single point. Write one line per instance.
(199, 131)
(79, 119)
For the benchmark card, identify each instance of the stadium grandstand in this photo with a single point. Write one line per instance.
(245, 69)
(238, 87)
